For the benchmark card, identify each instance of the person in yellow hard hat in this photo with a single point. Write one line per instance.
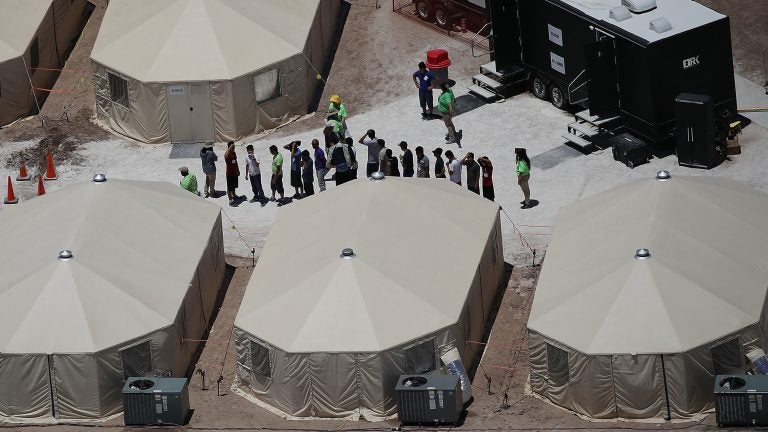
(337, 111)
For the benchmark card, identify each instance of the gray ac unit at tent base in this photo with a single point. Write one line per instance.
(429, 399)
(153, 401)
(741, 400)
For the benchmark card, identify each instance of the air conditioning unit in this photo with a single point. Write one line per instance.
(741, 400)
(428, 399)
(152, 401)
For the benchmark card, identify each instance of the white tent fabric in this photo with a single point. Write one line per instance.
(221, 44)
(41, 31)
(645, 330)
(322, 336)
(146, 269)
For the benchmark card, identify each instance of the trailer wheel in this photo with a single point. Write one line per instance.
(442, 18)
(424, 10)
(538, 87)
(557, 97)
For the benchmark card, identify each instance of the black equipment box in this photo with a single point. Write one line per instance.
(429, 399)
(741, 400)
(698, 143)
(629, 150)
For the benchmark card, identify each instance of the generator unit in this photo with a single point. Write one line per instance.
(429, 399)
(153, 401)
(741, 400)
(627, 59)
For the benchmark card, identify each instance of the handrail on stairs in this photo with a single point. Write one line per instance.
(475, 40)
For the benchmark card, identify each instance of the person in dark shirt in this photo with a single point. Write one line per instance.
(293, 147)
(425, 80)
(473, 172)
(392, 169)
(439, 163)
(307, 176)
(233, 172)
(406, 160)
(487, 167)
(319, 164)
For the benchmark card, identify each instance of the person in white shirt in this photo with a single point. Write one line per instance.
(253, 173)
(454, 168)
(369, 140)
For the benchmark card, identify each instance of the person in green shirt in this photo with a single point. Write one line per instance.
(338, 111)
(523, 175)
(188, 181)
(445, 104)
(277, 173)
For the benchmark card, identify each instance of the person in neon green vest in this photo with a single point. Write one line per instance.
(188, 181)
(337, 111)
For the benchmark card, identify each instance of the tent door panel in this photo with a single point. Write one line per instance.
(201, 112)
(639, 386)
(178, 112)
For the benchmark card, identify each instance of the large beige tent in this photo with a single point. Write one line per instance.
(205, 70)
(35, 35)
(320, 335)
(147, 264)
(614, 333)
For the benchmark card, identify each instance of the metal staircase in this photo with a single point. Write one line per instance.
(586, 127)
(490, 84)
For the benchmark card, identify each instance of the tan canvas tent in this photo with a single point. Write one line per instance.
(147, 264)
(205, 70)
(321, 335)
(34, 35)
(614, 333)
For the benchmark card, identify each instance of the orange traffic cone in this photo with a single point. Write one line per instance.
(10, 198)
(40, 187)
(23, 174)
(50, 171)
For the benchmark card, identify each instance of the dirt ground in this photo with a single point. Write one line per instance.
(376, 56)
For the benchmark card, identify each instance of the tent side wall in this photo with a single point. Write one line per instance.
(145, 118)
(25, 387)
(330, 385)
(633, 386)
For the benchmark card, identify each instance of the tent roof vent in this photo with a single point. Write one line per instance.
(347, 253)
(99, 178)
(65, 255)
(639, 6)
(378, 175)
(660, 25)
(642, 254)
(620, 13)
(663, 175)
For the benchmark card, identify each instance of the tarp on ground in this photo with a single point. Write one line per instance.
(615, 336)
(248, 65)
(147, 265)
(322, 336)
(35, 35)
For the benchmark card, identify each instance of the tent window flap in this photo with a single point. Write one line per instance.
(118, 90)
(267, 85)
(34, 55)
(420, 358)
(726, 357)
(557, 365)
(260, 359)
(137, 360)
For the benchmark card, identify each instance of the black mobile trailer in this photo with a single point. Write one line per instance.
(586, 53)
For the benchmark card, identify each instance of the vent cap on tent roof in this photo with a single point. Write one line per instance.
(660, 25)
(347, 253)
(663, 175)
(99, 178)
(65, 255)
(642, 254)
(639, 6)
(620, 13)
(378, 175)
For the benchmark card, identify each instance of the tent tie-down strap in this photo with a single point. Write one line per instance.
(523, 241)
